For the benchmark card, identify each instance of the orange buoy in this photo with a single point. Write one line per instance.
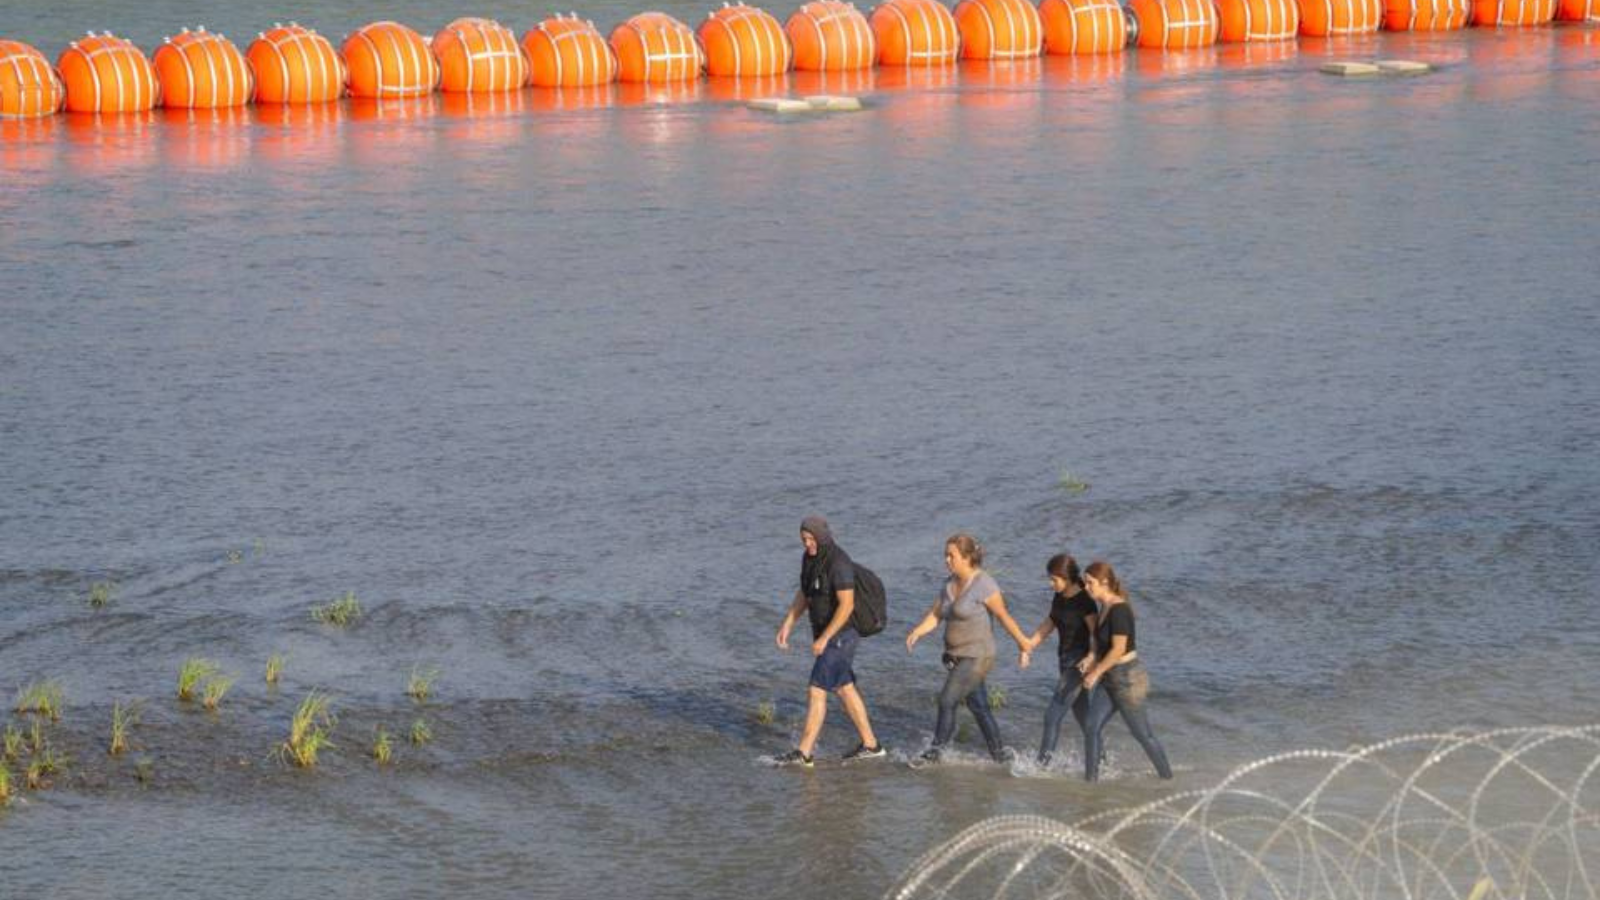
(1490, 13)
(294, 64)
(1426, 15)
(1259, 20)
(1083, 26)
(655, 48)
(1579, 11)
(387, 59)
(1175, 24)
(29, 87)
(479, 56)
(999, 29)
(201, 70)
(915, 33)
(743, 41)
(565, 51)
(832, 36)
(1321, 18)
(105, 73)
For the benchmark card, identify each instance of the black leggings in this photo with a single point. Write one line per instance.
(965, 683)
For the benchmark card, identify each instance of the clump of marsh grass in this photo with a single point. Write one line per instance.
(766, 713)
(13, 743)
(102, 593)
(43, 765)
(420, 685)
(309, 730)
(192, 677)
(36, 736)
(216, 688)
(997, 698)
(1072, 484)
(340, 611)
(42, 698)
(382, 747)
(235, 557)
(5, 784)
(421, 733)
(123, 718)
(274, 668)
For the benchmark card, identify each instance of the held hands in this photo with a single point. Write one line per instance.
(1085, 664)
(1024, 658)
(1091, 679)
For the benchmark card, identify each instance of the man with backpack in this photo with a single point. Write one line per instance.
(829, 587)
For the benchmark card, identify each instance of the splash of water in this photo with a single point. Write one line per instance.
(1490, 815)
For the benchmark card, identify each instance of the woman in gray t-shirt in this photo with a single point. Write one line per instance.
(968, 606)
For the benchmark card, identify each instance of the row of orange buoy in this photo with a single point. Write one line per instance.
(291, 64)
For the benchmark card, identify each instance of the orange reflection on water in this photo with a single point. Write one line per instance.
(1510, 63)
(1009, 85)
(104, 144)
(917, 78)
(382, 135)
(204, 138)
(723, 89)
(544, 99)
(484, 119)
(1256, 54)
(1088, 68)
(299, 132)
(639, 94)
(28, 145)
(859, 81)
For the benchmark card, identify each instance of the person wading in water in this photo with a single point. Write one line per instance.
(827, 594)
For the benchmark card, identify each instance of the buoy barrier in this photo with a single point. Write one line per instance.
(1426, 15)
(201, 70)
(1175, 24)
(655, 48)
(1261, 20)
(832, 36)
(1578, 11)
(915, 33)
(295, 65)
(479, 56)
(1493, 13)
(105, 73)
(1073, 27)
(1323, 18)
(999, 29)
(386, 59)
(29, 86)
(566, 51)
(744, 42)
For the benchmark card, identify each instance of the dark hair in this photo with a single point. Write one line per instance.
(1102, 572)
(967, 546)
(1062, 565)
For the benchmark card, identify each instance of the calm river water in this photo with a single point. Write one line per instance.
(550, 383)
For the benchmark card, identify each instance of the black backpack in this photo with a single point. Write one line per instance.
(871, 611)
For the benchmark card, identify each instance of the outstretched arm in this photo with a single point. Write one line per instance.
(997, 605)
(923, 628)
(796, 607)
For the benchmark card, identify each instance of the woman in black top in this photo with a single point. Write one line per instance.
(1118, 669)
(1073, 617)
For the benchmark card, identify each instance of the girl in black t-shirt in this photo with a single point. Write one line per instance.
(1072, 616)
(1119, 672)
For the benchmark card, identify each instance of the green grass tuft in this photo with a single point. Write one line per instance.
(44, 765)
(382, 747)
(274, 668)
(102, 593)
(13, 744)
(193, 676)
(1072, 484)
(766, 713)
(309, 730)
(123, 717)
(421, 733)
(420, 685)
(36, 736)
(5, 784)
(997, 698)
(340, 611)
(216, 688)
(43, 698)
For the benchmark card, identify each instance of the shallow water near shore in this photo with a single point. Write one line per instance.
(550, 385)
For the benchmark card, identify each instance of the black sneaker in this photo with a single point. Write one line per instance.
(1005, 757)
(795, 758)
(862, 751)
(929, 756)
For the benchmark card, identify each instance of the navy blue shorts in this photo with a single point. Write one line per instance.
(833, 669)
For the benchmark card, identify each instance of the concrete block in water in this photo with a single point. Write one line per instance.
(1348, 68)
(1402, 67)
(781, 105)
(834, 104)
